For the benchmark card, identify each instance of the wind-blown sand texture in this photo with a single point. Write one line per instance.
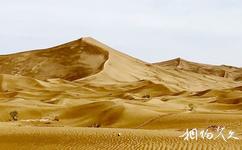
(82, 94)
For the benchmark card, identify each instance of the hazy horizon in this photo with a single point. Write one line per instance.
(201, 31)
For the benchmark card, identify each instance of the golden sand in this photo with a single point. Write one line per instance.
(86, 95)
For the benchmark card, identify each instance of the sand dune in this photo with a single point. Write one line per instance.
(88, 85)
(90, 138)
(69, 61)
(225, 71)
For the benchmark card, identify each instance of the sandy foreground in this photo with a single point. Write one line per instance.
(90, 138)
(86, 95)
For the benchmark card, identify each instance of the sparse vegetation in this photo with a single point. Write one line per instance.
(13, 115)
(191, 107)
(56, 118)
(164, 99)
(96, 125)
(146, 96)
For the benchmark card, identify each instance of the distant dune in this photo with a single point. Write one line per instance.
(234, 73)
(85, 83)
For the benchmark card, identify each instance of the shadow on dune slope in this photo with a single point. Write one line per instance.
(69, 61)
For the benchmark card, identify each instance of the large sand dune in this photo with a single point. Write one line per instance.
(85, 83)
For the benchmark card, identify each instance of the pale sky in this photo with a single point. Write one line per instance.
(208, 31)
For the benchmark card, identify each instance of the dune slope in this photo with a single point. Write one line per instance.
(85, 83)
(69, 61)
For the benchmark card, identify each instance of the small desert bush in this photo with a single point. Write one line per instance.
(191, 107)
(146, 96)
(13, 116)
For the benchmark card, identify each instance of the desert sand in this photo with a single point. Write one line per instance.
(86, 95)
